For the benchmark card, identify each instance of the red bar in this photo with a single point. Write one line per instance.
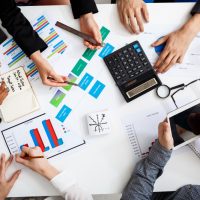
(39, 139)
(10, 49)
(52, 132)
(41, 25)
(51, 37)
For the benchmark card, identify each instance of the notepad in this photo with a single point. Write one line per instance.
(21, 99)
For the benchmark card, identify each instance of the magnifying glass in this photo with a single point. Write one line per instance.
(164, 91)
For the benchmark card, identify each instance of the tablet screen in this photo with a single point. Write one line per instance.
(185, 125)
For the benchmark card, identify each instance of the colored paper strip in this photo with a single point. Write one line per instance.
(85, 81)
(97, 89)
(79, 67)
(63, 113)
(72, 79)
(89, 53)
(104, 32)
(57, 98)
(108, 49)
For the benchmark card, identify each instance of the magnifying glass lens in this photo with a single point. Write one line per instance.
(163, 91)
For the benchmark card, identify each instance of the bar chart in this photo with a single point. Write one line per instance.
(15, 57)
(52, 137)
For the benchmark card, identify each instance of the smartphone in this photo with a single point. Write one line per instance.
(3, 36)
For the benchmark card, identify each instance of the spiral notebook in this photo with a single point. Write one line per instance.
(195, 146)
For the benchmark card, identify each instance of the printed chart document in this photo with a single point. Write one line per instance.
(52, 137)
(21, 99)
(142, 129)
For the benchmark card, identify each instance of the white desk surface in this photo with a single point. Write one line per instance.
(105, 164)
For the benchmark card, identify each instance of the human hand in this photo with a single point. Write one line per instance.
(90, 27)
(132, 14)
(45, 70)
(165, 136)
(39, 165)
(177, 44)
(3, 92)
(6, 185)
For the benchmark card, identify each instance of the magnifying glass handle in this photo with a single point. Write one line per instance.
(178, 86)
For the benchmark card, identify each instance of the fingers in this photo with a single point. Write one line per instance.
(3, 92)
(166, 63)
(3, 166)
(160, 41)
(132, 24)
(13, 179)
(145, 13)
(9, 161)
(173, 62)
(139, 19)
(57, 82)
(21, 160)
(161, 58)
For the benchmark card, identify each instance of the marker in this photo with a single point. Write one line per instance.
(34, 157)
(68, 82)
(79, 34)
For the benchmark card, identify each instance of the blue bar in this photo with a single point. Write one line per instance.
(31, 66)
(52, 30)
(39, 20)
(60, 142)
(6, 43)
(34, 73)
(18, 55)
(48, 134)
(52, 39)
(63, 113)
(97, 89)
(58, 44)
(12, 50)
(42, 27)
(34, 138)
(85, 82)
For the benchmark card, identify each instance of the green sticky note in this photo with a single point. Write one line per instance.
(79, 67)
(104, 32)
(57, 98)
(72, 79)
(89, 53)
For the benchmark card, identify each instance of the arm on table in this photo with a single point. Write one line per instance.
(141, 184)
(63, 182)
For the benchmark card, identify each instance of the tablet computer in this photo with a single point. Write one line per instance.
(185, 124)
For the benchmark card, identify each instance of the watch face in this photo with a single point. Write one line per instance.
(3, 36)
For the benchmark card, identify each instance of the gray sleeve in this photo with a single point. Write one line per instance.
(196, 8)
(141, 184)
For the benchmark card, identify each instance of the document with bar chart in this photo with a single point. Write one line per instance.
(52, 137)
(13, 56)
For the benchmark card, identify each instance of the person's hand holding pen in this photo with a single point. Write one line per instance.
(90, 27)
(34, 159)
(46, 70)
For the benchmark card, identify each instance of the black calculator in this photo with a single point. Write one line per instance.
(132, 71)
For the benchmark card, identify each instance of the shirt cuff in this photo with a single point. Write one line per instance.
(159, 155)
(196, 8)
(63, 181)
(80, 7)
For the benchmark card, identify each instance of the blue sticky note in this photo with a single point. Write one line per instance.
(108, 49)
(85, 81)
(63, 113)
(97, 89)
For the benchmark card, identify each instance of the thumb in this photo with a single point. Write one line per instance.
(160, 41)
(97, 35)
(56, 77)
(13, 179)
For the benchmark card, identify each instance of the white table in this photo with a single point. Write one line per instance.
(105, 164)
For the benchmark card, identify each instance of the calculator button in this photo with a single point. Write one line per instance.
(135, 46)
(138, 50)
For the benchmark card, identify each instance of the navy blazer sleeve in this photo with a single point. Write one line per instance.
(196, 8)
(20, 28)
(81, 7)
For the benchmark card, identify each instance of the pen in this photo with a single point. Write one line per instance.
(78, 33)
(68, 82)
(34, 157)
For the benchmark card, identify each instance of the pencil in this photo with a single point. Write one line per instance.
(68, 82)
(79, 34)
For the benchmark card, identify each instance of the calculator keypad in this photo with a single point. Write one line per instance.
(128, 63)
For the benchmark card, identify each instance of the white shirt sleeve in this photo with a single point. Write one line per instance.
(68, 187)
